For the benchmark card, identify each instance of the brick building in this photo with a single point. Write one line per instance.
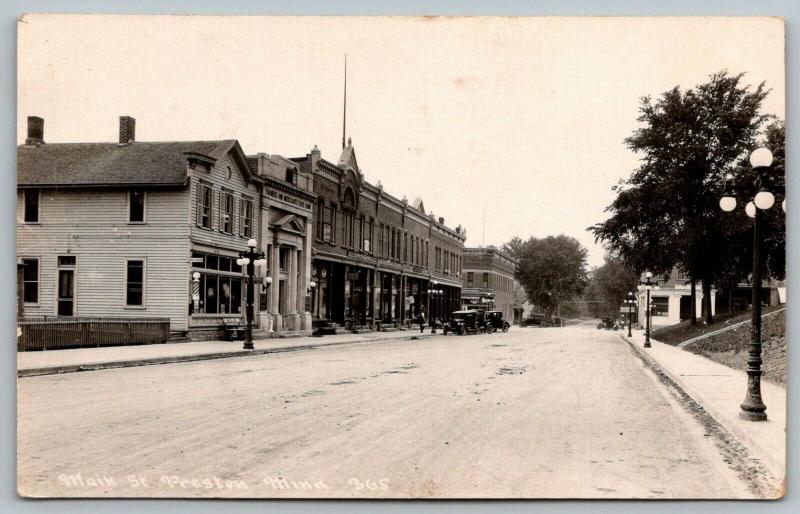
(375, 258)
(488, 280)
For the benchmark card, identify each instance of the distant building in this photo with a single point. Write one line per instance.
(488, 280)
(671, 300)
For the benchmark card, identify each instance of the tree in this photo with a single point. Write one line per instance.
(551, 270)
(667, 213)
(514, 247)
(610, 283)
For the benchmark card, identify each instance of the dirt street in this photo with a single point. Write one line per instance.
(556, 412)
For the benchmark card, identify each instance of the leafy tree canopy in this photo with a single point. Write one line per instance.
(551, 270)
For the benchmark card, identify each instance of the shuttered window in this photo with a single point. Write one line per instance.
(226, 213)
(203, 206)
(246, 218)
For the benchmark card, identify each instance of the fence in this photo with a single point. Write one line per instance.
(51, 332)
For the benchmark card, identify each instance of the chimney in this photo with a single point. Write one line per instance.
(441, 220)
(35, 131)
(127, 130)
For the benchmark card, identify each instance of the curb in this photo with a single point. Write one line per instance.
(718, 416)
(97, 366)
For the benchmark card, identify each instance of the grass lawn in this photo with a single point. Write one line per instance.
(676, 334)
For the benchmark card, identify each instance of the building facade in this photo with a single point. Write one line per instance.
(118, 229)
(377, 261)
(671, 300)
(286, 236)
(488, 281)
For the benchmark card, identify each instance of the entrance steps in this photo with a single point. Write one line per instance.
(261, 334)
(288, 334)
(178, 337)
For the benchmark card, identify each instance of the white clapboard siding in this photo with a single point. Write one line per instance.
(93, 226)
(236, 185)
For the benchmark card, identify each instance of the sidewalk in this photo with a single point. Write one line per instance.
(87, 359)
(719, 390)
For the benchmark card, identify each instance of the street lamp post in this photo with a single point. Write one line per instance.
(631, 302)
(753, 408)
(648, 283)
(249, 259)
(434, 292)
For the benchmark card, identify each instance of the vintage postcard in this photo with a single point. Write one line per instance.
(401, 257)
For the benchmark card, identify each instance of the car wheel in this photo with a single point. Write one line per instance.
(505, 327)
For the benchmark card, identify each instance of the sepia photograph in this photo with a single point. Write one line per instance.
(401, 257)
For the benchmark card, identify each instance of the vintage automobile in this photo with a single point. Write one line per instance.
(606, 323)
(462, 322)
(536, 319)
(496, 321)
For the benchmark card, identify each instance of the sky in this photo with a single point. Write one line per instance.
(521, 118)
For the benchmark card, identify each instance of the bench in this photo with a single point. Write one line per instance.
(234, 328)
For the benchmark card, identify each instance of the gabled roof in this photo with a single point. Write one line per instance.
(112, 164)
(348, 157)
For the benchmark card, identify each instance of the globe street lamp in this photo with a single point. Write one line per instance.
(631, 301)
(648, 284)
(249, 259)
(753, 408)
(436, 294)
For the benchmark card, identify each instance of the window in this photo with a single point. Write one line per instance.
(246, 218)
(347, 240)
(320, 221)
(226, 213)
(203, 206)
(660, 305)
(470, 278)
(31, 200)
(485, 280)
(368, 236)
(134, 284)
(291, 176)
(328, 225)
(283, 259)
(220, 284)
(65, 301)
(30, 280)
(136, 206)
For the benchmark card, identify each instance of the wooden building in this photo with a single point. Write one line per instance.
(117, 229)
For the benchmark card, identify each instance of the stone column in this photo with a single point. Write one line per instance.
(291, 317)
(275, 287)
(292, 282)
(305, 280)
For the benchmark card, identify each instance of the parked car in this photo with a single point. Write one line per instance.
(606, 323)
(462, 322)
(495, 319)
